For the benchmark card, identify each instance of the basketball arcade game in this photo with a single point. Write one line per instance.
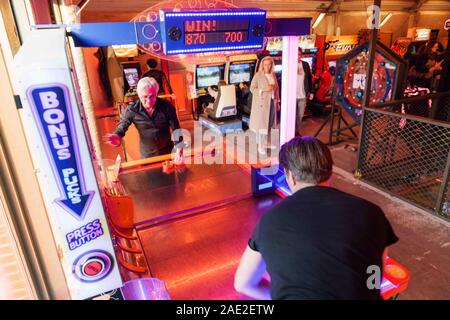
(55, 127)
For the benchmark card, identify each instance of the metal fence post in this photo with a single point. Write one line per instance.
(443, 188)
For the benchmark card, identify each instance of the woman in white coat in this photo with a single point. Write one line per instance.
(265, 102)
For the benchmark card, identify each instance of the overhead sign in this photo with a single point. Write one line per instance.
(64, 169)
(206, 31)
(340, 45)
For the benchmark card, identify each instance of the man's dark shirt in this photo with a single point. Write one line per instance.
(159, 76)
(319, 242)
(154, 130)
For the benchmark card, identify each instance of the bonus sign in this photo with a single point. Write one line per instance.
(49, 106)
(58, 144)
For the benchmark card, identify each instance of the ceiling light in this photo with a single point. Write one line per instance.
(389, 15)
(319, 18)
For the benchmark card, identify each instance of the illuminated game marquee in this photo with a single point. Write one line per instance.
(208, 31)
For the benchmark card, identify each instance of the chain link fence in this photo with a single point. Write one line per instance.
(408, 155)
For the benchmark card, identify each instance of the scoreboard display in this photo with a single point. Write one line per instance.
(207, 31)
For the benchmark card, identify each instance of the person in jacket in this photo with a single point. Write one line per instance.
(304, 88)
(154, 119)
(265, 102)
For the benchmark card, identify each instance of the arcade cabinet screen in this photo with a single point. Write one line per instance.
(209, 75)
(240, 72)
(278, 66)
(132, 76)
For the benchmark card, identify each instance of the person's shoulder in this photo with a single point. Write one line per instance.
(164, 103)
(357, 202)
(275, 213)
(133, 107)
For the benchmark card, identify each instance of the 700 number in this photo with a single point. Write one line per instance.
(233, 36)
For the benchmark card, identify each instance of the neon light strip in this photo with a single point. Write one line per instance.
(265, 186)
(220, 14)
(215, 49)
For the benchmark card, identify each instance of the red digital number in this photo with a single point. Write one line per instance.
(195, 38)
(233, 36)
(199, 38)
(188, 39)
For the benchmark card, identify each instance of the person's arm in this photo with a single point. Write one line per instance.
(254, 89)
(173, 120)
(249, 277)
(115, 138)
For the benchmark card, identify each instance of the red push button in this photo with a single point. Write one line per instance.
(92, 267)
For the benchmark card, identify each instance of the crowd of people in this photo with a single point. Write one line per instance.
(425, 66)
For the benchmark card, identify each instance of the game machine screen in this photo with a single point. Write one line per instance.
(240, 72)
(278, 67)
(388, 78)
(209, 75)
(132, 74)
(307, 44)
(335, 47)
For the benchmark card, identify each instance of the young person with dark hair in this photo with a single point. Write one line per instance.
(317, 243)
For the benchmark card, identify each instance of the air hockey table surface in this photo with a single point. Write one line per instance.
(194, 225)
(158, 195)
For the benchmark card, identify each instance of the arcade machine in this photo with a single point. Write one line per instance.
(240, 74)
(205, 75)
(388, 80)
(146, 202)
(132, 73)
(388, 83)
(222, 109)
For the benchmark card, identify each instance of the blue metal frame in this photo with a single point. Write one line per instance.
(120, 33)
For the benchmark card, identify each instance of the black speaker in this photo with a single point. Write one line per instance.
(174, 34)
(258, 30)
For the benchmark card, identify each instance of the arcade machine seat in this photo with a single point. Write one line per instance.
(222, 114)
(224, 105)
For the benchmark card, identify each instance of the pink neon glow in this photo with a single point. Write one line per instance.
(289, 88)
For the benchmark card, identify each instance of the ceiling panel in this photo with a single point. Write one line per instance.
(125, 10)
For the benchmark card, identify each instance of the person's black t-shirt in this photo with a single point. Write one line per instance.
(319, 242)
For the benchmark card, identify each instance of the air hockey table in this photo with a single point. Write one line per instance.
(194, 222)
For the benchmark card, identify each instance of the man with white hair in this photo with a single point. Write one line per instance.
(153, 118)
